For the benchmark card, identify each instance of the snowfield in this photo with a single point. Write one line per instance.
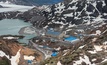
(12, 7)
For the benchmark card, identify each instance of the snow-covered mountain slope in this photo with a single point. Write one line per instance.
(77, 12)
(67, 14)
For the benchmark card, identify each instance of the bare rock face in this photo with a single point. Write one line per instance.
(1, 6)
(11, 49)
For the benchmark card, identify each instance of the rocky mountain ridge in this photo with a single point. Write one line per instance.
(78, 12)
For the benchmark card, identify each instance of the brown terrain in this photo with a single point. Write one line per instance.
(11, 47)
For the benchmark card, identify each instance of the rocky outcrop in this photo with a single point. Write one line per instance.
(11, 49)
(1, 6)
(8, 15)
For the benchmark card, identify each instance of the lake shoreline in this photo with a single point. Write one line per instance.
(21, 31)
(27, 30)
(16, 27)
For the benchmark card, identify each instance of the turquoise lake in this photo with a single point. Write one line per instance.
(12, 27)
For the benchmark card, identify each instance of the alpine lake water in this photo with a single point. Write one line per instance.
(12, 27)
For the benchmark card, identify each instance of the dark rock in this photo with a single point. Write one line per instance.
(104, 9)
(1, 6)
(105, 2)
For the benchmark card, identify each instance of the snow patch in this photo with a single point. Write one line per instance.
(69, 15)
(10, 38)
(105, 43)
(98, 32)
(29, 57)
(73, 1)
(98, 48)
(15, 59)
(59, 63)
(45, 8)
(3, 54)
(94, 59)
(92, 52)
(81, 47)
(85, 59)
(105, 60)
(104, 4)
(93, 40)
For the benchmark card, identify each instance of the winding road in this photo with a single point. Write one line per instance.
(43, 52)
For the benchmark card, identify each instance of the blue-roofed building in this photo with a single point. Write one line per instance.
(54, 53)
(71, 38)
(53, 33)
(29, 61)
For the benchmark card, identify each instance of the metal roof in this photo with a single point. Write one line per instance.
(53, 32)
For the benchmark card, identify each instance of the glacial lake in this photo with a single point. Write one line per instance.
(12, 27)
